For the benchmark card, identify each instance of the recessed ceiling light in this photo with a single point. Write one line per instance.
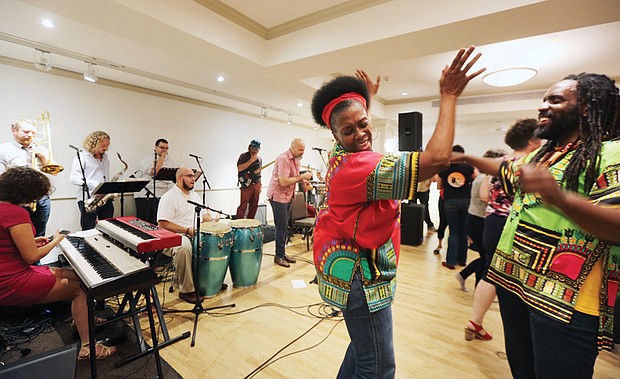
(220, 79)
(509, 76)
(404, 93)
(47, 23)
(300, 104)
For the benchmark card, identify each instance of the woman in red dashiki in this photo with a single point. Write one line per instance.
(357, 233)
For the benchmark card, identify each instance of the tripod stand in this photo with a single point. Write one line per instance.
(198, 308)
(196, 250)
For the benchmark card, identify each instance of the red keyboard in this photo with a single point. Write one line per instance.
(137, 234)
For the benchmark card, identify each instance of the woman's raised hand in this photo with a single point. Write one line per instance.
(454, 78)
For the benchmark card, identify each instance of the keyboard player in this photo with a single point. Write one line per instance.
(177, 215)
(21, 283)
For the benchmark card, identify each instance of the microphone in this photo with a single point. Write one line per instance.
(197, 204)
(195, 156)
(75, 148)
(318, 149)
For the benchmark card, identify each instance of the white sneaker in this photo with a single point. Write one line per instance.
(461, 282)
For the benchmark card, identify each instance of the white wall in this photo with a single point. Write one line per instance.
(134, 121)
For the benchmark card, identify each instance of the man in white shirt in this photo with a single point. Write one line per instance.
(19, 152)
(177, 215)
(147, 200)
(96, 169)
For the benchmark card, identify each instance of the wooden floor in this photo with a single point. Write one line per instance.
(277, 330)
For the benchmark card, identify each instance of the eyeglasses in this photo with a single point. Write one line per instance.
(188, 176)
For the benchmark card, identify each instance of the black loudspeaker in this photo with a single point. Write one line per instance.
(412, 224)
(59, 363)
(410, 131)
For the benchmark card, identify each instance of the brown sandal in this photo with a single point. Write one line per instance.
(104, 351)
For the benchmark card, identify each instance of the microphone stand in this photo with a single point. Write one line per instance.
(85, 191)
(204, 179)
(150, 204)
(322, 158)
(198, 308)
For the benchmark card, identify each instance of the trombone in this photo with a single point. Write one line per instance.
(44, 138)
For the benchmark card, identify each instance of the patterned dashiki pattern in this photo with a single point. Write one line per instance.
(543, 257)
(358, 228)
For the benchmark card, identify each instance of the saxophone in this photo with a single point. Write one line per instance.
(91, 205)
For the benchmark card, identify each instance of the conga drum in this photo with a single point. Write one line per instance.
(247, 252)
(213, 258)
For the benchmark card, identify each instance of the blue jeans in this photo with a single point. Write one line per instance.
(281, 212)
(371, 351)
(41, 215)
(456, 214)
(538, 346)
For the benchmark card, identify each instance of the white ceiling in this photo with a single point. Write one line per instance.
(274, 53)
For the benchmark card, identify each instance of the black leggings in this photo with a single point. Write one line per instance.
(443, 221)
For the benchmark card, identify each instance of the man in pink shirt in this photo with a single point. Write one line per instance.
(280, 194)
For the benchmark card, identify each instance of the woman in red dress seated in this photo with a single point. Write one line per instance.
(22, 284)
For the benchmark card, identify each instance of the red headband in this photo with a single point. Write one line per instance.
(327, 111)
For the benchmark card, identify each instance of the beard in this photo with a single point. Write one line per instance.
(187, 187)
(558, 125)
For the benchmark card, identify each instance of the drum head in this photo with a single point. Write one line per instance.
(244, 223)
(214, 227)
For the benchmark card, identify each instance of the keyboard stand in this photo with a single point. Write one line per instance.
(90, 300)
(132, 300)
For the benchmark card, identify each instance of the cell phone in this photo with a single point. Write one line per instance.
(64, 232)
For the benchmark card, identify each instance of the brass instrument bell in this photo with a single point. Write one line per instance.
(44, 138)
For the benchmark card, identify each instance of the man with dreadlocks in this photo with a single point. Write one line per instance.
(557, 265)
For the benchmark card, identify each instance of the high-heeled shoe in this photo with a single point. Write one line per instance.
(477, 332)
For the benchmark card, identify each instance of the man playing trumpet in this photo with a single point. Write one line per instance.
(20, 152)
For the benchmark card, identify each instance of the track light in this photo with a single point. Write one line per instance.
(263, 112)
(290, 119)
(42, 60)
(89, 75)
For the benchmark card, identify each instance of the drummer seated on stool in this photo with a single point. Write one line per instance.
(177, 215)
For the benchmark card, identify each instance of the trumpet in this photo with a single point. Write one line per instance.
(44, 138)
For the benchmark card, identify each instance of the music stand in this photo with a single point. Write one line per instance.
(120, 187)
(169, 173)
(166, 173)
